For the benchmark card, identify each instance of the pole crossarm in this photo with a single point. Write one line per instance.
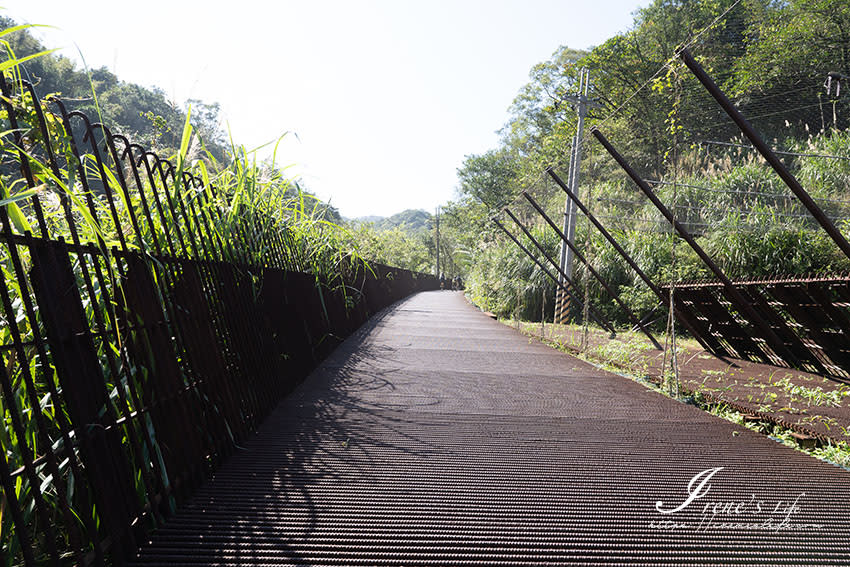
(593, 272)
(765, 151)
(598, 318)
(732, 292)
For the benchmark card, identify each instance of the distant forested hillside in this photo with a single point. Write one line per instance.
(406, 239)
(411, 220)
(145, 114)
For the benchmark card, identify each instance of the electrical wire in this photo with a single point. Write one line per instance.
(785, 153)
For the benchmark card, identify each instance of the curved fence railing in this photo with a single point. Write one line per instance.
(147, 327)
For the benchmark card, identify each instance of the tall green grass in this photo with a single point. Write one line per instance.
(245, 211)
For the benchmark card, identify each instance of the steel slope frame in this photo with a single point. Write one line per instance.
(637, 322)
(680, 314)
(775, 343)
(747, 129)
(597, 317)
(816, 308)
(561, 285)
(605, 233)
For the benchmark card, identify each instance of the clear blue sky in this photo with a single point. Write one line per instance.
(386, 97)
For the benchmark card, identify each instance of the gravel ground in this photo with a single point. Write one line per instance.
(805, 402)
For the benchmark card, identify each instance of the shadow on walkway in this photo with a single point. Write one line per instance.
(436, 436)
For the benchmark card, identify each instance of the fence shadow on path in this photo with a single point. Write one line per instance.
(331, 429)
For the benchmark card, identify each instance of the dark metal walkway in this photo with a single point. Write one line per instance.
(436, 436)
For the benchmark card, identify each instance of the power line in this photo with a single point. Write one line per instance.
(693, 41)
(741, 225)
(785, 153)
(739, 192)
(754, 117)
(745, 212)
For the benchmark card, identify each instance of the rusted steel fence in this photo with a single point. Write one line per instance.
(810, 315)
(140, 342)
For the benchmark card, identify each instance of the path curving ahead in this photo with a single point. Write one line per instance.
(437, 436)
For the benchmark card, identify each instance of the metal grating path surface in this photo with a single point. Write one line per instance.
(437, 436)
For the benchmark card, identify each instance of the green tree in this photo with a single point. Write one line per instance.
(394, 247)
(802, 39)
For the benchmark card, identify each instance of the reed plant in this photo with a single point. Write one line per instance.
(61, 179)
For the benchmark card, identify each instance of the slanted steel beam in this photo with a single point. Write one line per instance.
(731, 291)
(655, 289)
(565, 277)
(593, 313)
(606, 234)
(593, 272)
(765, 151)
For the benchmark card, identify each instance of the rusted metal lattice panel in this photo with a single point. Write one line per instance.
(86, 394)
(700, 323)
(810, 315)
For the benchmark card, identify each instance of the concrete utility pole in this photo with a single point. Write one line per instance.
(582, 102)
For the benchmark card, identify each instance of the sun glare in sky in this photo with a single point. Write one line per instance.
(378, 101)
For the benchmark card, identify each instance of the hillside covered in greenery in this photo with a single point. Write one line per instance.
(771, 58)
(145, 115)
